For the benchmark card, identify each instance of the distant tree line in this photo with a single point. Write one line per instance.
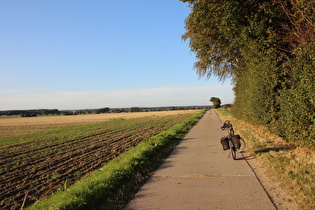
(36, 112)
(31, 113)
(267, 48)
(151, 109)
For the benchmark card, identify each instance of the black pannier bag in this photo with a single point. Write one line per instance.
(236, 141)
(225, 143)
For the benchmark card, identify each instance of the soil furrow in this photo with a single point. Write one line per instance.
(39, 168)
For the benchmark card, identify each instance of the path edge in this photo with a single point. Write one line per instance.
(279, 198)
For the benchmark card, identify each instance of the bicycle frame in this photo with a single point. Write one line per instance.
(228, 126)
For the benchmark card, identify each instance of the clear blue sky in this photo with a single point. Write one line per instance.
(76, 54)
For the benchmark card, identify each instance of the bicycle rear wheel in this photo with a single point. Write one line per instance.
(243, 145)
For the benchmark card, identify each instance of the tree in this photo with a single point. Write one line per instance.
(135, 109)
(101, 110)
(267, 47)
(216, 102)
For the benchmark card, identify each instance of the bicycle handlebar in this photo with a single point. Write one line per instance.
(226, 125)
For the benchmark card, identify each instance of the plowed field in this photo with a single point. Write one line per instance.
(34, 165)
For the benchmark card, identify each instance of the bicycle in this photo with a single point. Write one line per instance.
(233, 142)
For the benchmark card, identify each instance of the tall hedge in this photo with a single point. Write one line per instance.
(267, 47)
(296, 118)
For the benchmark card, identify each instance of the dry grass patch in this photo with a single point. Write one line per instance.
(290, 165)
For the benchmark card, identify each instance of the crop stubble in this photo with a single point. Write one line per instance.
(35, 169)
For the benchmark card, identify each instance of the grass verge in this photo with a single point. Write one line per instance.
(291, 166)
(113, 186)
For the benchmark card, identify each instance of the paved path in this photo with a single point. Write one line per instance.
(199, 175)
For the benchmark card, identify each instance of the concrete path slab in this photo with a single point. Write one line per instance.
(200, 175)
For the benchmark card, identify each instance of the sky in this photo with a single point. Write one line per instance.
(79, 54)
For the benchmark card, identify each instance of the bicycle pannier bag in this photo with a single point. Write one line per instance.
(236, 141)
(225, 143)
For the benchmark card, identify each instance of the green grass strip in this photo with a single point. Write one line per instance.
(114, 185)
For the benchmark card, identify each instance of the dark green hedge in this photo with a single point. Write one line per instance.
(267, 47)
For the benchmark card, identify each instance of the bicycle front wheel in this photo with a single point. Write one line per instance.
(233, 150)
